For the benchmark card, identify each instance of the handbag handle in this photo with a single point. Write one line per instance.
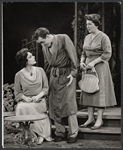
(92, 70)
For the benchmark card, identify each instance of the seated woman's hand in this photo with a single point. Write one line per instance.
(82, 65)
(28, 99)
(35, 99)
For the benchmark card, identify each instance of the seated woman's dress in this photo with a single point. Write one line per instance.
(27, 87)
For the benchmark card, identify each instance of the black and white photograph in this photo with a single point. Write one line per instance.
(61, 74)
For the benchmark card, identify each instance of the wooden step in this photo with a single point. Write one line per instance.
(102, 130)
(104, 133)
(111, 117)
(111, 129)
(109, 113)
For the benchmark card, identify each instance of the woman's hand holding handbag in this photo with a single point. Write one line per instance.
(82, 65)
(90, 65)
(90, 81)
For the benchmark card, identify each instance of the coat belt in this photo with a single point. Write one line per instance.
(56, 72)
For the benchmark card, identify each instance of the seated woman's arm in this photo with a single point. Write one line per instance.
(45, 87)
(19, 96)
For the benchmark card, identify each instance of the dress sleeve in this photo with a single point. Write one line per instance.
(107, 50)
(72, 54)
(83, 52)
(45, 86)
(17, 88)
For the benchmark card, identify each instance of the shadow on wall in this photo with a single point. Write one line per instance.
(21, 19)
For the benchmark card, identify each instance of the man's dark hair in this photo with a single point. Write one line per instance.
(40, 32)
(95, 18)
(21, 57)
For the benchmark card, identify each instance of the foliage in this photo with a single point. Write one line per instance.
(25, 136)
(17, 129)
(9, 103)
(17, 132)
(10, 127)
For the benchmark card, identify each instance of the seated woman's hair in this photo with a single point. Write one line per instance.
(95, 18)
(21, 57)
(40, 32)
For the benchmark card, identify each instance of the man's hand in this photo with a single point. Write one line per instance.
(71, 79)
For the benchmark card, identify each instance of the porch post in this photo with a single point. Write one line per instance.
(75, 30)
(103, 18)
(36, 53)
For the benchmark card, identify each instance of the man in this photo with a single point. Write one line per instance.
(60, 54)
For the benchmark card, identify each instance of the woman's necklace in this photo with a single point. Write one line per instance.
(30, 72)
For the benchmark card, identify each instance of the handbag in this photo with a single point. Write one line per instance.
(89, 82)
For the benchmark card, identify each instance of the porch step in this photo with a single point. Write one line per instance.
(104, 133)
(111, 117)
(111, 129)
(109, 113)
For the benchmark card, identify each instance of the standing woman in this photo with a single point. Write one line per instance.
(31, 87)
(96, 53)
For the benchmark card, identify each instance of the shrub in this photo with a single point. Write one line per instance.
(9, 103)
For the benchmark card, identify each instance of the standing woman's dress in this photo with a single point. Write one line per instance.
(99, 46)
(32, 88)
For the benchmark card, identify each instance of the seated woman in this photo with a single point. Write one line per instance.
(31, 87)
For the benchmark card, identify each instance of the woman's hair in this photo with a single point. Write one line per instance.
(21, 57)
(40, 32)
(95, 18)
